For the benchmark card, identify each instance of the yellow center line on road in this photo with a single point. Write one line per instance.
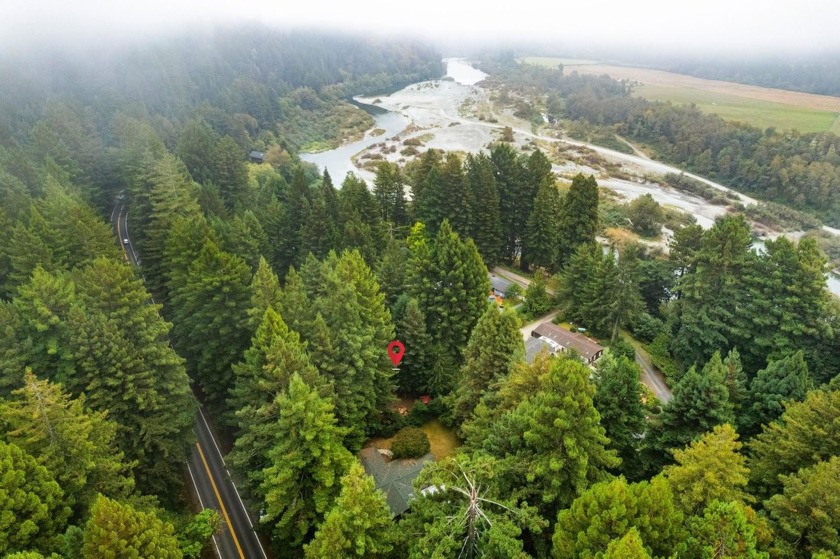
(221, 504)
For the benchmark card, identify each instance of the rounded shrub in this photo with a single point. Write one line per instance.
(410, 442)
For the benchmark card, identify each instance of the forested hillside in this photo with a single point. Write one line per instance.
(274, 293)
(814, 74)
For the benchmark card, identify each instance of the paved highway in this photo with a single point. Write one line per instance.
(208, 472)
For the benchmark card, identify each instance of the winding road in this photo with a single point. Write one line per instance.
(651, 376)
(208, 472)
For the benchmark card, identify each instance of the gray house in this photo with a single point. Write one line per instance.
(560, 339)
(395, 478)
(500, 285)
(533, 347)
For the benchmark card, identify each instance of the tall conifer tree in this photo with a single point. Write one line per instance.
(578, 217)
(306, 463)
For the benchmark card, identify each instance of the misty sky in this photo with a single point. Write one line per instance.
(713, 25)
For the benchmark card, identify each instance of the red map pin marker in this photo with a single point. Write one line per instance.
(396, 350)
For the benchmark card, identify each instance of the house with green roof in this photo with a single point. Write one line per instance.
(394, 477)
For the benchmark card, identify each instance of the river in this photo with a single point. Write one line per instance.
(435, 110)
(339, 161)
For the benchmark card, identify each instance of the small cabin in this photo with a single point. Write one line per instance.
(500, 285)
(256, 157)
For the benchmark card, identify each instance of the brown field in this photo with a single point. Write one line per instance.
(759, 106)
(668, 79)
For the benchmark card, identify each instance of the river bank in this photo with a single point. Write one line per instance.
(457, 114)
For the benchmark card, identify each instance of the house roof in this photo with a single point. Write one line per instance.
(500, 284)
(534, 346)
(394, 478)
(570, 340)
(256, 154)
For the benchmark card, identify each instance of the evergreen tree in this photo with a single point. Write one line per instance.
(700, 402)
(487, 228)
(495, 344)
(301, 482)
(244, 236)
(34, 513)
(389, 191)
(196, 537)
(541, 229)
(537, 301)
(451, 284)
(710, 468)
(117, 530)
(319, 232)
(805, 516)
(276, 353)
(74, 232)
(13, 352)
(791, 306)
(358, 327)
(807, 432)
(430, 207)
(553, 440)
(330, 196)
(410, 327)
(783, 380)
(43, 305)
(210, 316)
(457, 195)
(514, 205)
(230, 173)
(628, 547)
(74, 443)
(624, 302)
(609, 509)
(391, 272)
(418, 174)
(736, 382)
(618, 399)
(26, 251)
(724, 531)
(126, 367)
(360, 225)
(295, 306)
(172, 194)
(524, 380)
(578, 217)
(265, 293)
(183, 245)
(714, 299)
(684, 248)
(575, 279)
(358, 525)
(196, 147)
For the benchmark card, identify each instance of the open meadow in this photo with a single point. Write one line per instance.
(759, 106)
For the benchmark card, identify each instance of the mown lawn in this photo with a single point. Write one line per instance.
(442, 440)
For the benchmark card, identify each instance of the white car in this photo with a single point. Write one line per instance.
(125, 241)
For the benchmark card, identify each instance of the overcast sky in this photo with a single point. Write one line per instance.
(716, 25)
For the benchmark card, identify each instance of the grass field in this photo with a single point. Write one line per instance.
(753, 111)
(758, 106)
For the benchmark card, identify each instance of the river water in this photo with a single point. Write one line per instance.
(433, 107)
(339, 161)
